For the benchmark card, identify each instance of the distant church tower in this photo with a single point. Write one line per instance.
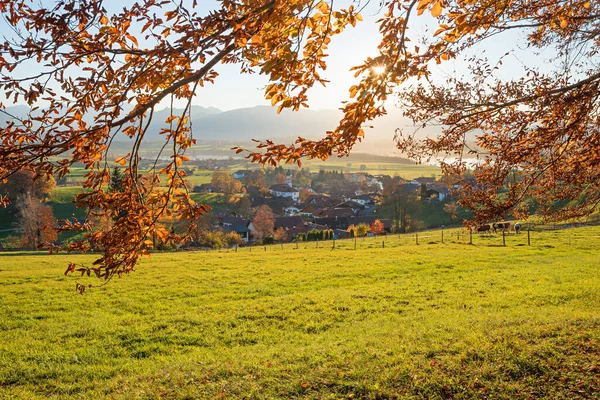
(288, 180)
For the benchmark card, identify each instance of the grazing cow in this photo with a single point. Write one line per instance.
(505, 226)
(484, 228)
(518, 228)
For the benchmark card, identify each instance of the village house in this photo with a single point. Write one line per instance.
(363, 199)
(334, 212)
(288, 222)
(438, 193)
(238, 225)
(240, 174)
(283, 190)
(291, 210)
(205, 188)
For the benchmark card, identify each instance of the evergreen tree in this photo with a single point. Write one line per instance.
(116, 180)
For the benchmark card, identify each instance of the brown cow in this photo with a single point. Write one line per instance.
(484, 228)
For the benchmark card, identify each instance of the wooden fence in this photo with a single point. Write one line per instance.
(531, 235)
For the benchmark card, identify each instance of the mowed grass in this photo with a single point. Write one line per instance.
(430, 321)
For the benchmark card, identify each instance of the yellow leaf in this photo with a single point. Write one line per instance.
(275, 99)
(323, 7)
(422, 6)
(121, 161)
(103, 20)
(586, 4)
(436, 10)
(563, 23)
(133, 39)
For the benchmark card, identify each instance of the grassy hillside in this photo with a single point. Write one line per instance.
(428, 321)
(61, 202)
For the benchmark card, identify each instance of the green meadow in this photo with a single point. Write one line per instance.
(404, 170)
(434, 320)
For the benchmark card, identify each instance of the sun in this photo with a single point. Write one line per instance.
(378, 69)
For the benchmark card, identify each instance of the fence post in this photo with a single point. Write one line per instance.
(442, 236)
(528, 237)
(236, 246)
(355, 243)
(333, 247)
(296, 244)
(282, 246)
(383, 244)
(470, 237)
(417, 238)
(265, 248)
(503, 238)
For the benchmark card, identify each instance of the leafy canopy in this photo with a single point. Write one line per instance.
(102, 74)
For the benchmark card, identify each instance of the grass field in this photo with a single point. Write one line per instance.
(430, 321)
(406, 171)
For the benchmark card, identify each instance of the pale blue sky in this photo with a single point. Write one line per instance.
(233, 90)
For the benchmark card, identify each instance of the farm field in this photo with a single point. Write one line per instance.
(436, 320)
(406, 171)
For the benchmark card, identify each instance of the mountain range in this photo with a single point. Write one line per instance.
(263, 122)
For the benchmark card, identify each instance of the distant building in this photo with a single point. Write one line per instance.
(423, 180)
(288, 222)
(205, 188)
(363, 199)
(284, 190)
(291, 210)
(238, 225)
(438, 193)
(240, 174)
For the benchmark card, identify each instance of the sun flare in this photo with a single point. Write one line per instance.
(378, 69)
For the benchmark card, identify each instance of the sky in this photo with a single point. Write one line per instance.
(234, 90)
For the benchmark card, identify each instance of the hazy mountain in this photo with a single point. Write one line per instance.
(17, 111)
(159, 117)
(263, 122)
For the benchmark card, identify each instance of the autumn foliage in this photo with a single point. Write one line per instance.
(377, 227)
(101, 74)
(263, 222)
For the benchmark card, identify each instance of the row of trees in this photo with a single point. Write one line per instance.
(315, 234)
(219, 239)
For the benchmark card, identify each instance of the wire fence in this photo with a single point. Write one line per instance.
(530, 235)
